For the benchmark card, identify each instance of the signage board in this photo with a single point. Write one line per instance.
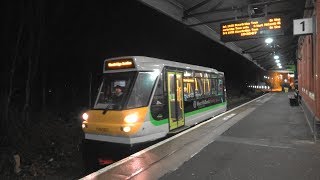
(302, 26)
(119, 64)
(250, 28)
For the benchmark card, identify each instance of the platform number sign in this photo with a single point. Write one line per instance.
(302, 26)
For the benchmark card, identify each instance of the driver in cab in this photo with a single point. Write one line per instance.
(117, 97)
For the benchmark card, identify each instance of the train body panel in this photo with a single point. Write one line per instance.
(112, 122)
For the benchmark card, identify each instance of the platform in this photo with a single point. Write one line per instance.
(263, 139)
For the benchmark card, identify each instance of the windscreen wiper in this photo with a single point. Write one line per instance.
(106, 109)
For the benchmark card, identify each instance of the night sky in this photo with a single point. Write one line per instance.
(76, 37)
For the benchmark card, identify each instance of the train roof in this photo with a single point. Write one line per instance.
(143, 63)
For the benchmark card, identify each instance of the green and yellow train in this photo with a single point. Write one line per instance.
(158, 97)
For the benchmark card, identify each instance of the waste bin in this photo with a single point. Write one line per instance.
(293, 101)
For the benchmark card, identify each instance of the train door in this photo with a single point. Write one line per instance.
(175, 99)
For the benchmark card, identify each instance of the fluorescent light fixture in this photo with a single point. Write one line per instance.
(268, 40)
(276, 57)
(277, 61)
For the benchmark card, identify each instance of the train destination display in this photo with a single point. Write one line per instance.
(251, 28)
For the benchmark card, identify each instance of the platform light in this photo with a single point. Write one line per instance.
(277, 61)
(278, 64)
(268, 40)
(280, 67)
(276, 57)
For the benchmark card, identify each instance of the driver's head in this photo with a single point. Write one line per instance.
(118, 89)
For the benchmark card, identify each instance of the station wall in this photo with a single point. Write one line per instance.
(309, 68)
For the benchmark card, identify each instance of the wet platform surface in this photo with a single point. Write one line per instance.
(264, 139)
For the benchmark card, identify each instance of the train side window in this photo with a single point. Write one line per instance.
(198, 88)
(159, 108)
(220, 86)
(206, 86)
(198, 74)
(188, 89)
(214, 90)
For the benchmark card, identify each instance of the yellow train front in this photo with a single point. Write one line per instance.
(142, 99)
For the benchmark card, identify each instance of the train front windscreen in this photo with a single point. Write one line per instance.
(125, 90)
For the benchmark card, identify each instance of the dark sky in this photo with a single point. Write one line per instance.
(78, 35)
(84, 34)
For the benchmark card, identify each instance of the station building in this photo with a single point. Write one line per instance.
(308, 65)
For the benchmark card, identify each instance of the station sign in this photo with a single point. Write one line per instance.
(251, 28)
(302, 26)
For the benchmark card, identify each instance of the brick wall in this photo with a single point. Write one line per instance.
(309, 69)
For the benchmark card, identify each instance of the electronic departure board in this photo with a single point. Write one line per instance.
(251, 28)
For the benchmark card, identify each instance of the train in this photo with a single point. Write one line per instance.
(142, 99)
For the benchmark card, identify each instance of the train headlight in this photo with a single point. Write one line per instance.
(131, 118)
(85, 116)
(126, 129)
(84, 126)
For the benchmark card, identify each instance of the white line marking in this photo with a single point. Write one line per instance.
(229, 116)
(94, 174)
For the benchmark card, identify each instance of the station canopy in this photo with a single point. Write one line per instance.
(242, 25)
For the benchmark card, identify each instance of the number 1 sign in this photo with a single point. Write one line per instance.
(302, 26)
